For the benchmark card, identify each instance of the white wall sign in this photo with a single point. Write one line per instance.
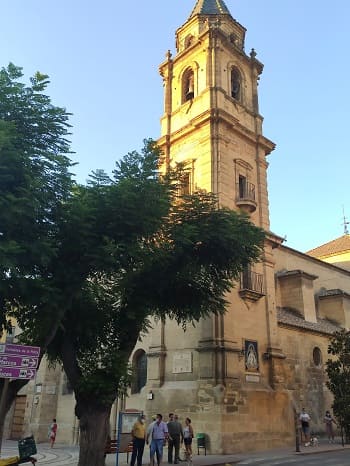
(252, 378)
(182, 363)
(51, 389)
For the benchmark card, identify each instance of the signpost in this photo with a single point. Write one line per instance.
(17, 373)
(19, 350)
(18, 361)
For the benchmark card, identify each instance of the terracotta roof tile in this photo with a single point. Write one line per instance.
(294, 319)
(336, 246)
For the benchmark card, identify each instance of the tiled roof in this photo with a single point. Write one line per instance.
(336, 246)
(210, 7)
(294, 319)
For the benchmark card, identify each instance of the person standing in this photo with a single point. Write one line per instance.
(138, 440)
(175, 435)
(328, 420)
(52, 432)
(188, 436)
(158, 434)
(305, 426)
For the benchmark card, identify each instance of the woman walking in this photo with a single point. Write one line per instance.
(53, 432)
(188, 436)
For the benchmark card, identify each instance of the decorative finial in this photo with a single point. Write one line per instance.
(252, 54)
(168, 55)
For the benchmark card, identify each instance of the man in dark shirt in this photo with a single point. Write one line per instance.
(175, 436)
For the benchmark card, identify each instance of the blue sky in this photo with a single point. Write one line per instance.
(103, 57)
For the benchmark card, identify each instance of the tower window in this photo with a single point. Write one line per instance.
(185, 184)
(188, 85)
(236, 82)
(242, 186)
(317, 356)
(139, 371)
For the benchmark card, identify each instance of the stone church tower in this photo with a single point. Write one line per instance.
(240, 376)
(225, 372)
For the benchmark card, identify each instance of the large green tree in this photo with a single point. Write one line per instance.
(132, 249)
(83, 269)
(34, 183)
(338, 371)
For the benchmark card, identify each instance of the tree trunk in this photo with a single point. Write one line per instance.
(94, 430)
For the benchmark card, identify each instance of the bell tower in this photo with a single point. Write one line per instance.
(212, 125)
(211, 120)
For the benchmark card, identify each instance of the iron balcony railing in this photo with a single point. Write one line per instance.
(252, 281)
(245, 191)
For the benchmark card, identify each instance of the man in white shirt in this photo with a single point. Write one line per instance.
(158, 433)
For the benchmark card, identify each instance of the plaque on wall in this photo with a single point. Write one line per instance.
(251, 355)
(182, 363)
(51, 389)
(252, 378)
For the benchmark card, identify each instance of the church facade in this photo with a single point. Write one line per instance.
(242, 376)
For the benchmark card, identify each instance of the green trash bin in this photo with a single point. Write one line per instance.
(201, 442)
(27, 447)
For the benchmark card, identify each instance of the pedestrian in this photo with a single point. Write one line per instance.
(188, 436)
(175, 436)
(328, 420)
(138, 440)
(158, 435)
(305, 426)
(52, 432)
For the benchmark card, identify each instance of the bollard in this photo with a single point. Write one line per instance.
(297, 433)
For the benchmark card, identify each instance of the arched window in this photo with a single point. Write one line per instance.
(139, 371)
(188, 41)
(188, 85)
(67, 388)
(236, 84)
(317, 356)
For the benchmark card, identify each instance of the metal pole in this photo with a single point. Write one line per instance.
(119, 429)
(342, 434)
(297, 435)
(3, 405)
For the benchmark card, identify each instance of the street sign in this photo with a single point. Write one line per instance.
(7, 360)
(17, 373)
(19, 350)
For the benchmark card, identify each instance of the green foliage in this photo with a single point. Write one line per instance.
(34, 182)
(338, 371)
(84, 268)
(132, 249)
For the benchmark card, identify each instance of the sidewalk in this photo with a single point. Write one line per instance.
(63, 455)
(222, 460)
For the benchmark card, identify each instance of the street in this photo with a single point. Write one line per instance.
(334, 458)
(324, 455)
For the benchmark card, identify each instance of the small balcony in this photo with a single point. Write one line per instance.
(251, 285)
(245, 199)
